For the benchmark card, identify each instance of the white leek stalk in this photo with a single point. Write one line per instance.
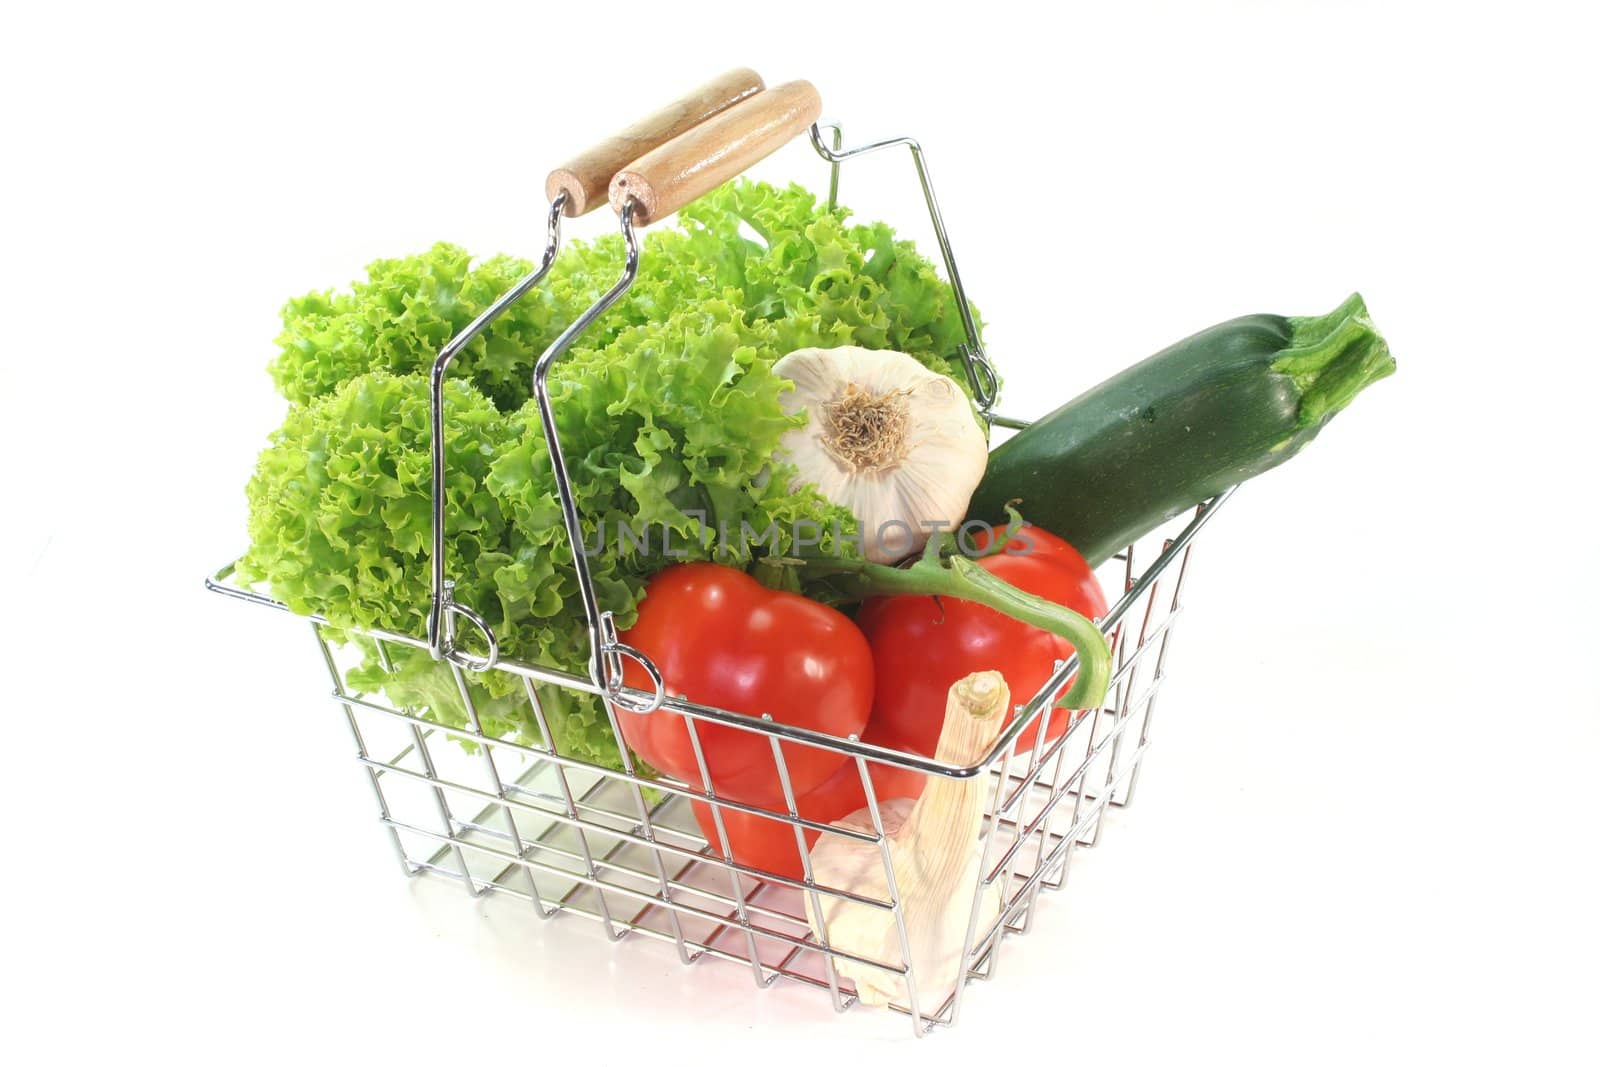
(935, 852)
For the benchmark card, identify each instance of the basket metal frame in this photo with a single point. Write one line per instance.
(571, 837)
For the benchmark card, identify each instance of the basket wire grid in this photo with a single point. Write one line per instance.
(569, 837)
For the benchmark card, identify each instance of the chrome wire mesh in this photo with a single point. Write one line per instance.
(572, 838)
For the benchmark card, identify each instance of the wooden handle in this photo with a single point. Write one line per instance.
(585, 177)
(666, 178)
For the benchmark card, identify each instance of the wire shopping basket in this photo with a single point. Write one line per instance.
(621, 847)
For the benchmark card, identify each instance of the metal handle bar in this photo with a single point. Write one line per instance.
(743, 130)
(669, 175)
(575, 188)
(980, 373)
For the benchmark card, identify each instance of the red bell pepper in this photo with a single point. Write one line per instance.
(720, 637)
(1002, 613)
(921, 645)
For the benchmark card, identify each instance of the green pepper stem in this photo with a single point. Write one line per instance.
(961, 578)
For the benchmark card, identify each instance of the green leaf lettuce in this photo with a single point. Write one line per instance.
(668, 413)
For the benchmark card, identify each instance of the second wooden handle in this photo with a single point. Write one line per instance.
(665, 179)
(584, 177)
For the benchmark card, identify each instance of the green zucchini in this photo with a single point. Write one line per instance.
(1167, 433)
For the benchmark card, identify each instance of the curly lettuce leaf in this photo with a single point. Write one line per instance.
(668, 412)
(776, 253)
(340, 520)
(857, 282)
(404, 312)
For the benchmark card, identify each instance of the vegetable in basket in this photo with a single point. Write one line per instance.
(669, 412)
(896, 443)
(820, 279)
(935, 853)
(720, 637)
(922, 645)
(340, 526)
(335, 519)
(1020, 608)
(406, 309)
(1176, 429)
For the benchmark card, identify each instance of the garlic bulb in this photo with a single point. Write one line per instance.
(887, 438)
(936, 853)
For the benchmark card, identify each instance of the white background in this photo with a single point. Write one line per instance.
(1367, 831)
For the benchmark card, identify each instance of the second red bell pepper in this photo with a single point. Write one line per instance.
(921, 645)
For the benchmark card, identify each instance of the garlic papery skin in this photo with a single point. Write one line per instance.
(937, 856)
(896, 443)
